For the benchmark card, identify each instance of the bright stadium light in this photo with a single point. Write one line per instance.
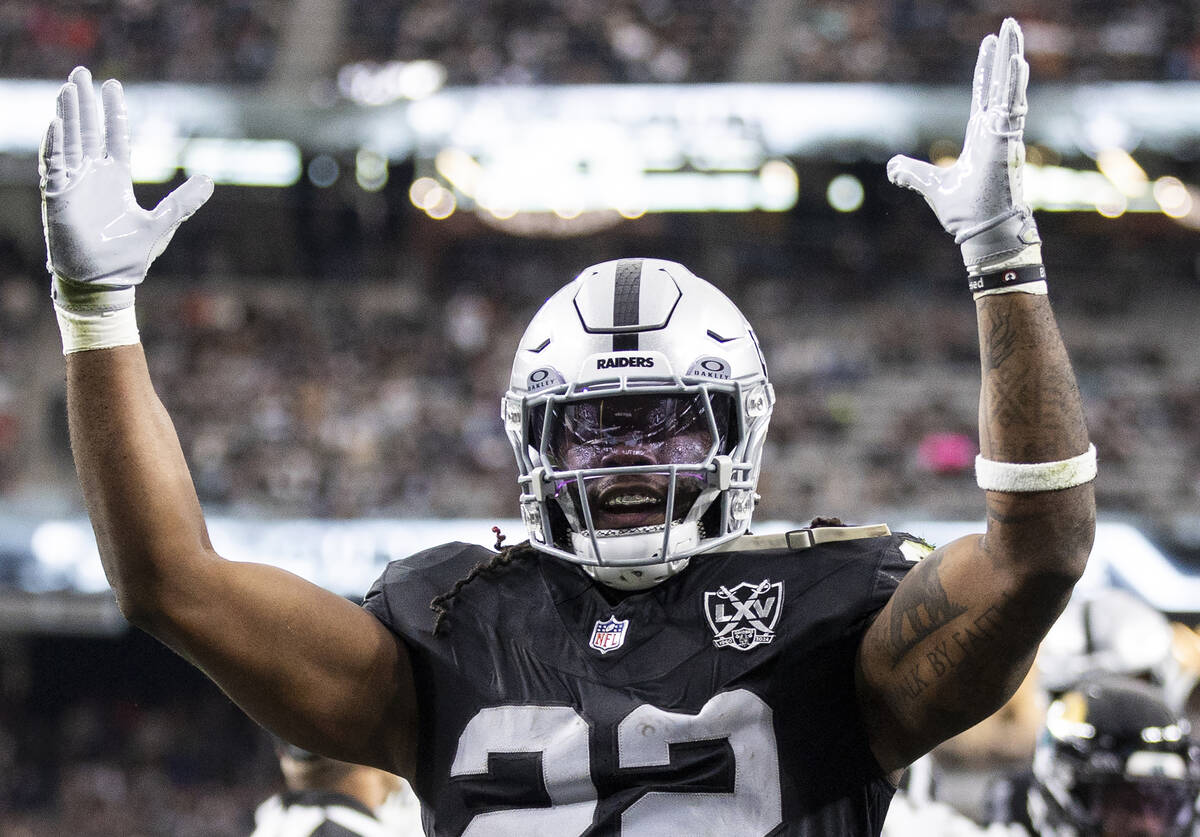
(381, 84)
(419, 191)
(243, 162)
(323, 171)
(1172, 196)
(1119, 166)
(370, 170)
(845, 193)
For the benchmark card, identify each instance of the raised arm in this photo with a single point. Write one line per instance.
(962, 629)
(304, 662)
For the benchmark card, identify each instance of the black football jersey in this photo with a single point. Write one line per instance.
(719, 702)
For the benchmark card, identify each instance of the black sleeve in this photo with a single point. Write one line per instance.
(401, 597)
(891, 569)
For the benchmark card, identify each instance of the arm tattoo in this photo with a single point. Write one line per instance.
(1001, 340)
(920, 608)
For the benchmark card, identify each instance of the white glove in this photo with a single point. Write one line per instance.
(980, 199)
(99, 242)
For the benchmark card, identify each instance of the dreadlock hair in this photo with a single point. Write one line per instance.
(440, 605)
(818, 522)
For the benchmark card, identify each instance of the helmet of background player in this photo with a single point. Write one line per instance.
(1106, 631)
(1112, 760)
(637, 389)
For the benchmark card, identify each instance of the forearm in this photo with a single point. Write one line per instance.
(135, 481)
(1030, 411)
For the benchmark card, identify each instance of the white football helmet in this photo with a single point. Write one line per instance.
(637, 388)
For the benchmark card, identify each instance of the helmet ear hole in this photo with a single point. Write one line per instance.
(560, 528)
(725, 412)
(710, 521)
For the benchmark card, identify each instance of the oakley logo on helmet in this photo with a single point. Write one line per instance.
(709, 367)
(541, 378)
(624, 361)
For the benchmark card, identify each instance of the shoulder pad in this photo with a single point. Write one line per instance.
(805, 538)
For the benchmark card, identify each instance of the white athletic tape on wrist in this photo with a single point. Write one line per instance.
(1036, 476)
(1027, 256)
(82, 332)
(1038, 288)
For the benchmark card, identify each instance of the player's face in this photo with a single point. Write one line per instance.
(628, 430)
(1131, 810)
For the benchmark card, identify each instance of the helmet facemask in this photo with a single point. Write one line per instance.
(608, 439)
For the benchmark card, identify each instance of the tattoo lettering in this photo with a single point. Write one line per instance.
(946, 656)
(913, 682)
(917, 610)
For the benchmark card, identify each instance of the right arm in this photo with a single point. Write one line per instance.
(304, 662)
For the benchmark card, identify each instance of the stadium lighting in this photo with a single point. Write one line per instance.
(370, 170)
(845, 193)
(392, 81)
(243, 162)
(323, 171)
(568, 185)
(1173, 196)
(1118, 166)
(419, 191)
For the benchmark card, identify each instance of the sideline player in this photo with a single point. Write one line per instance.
(1112, 760)
(329, 798)
(642, 665)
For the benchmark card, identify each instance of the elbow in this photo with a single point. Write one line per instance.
(137, 603)
(132, 608)
(151, 585)
(1046, 536)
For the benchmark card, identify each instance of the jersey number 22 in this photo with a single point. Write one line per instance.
(644, 738)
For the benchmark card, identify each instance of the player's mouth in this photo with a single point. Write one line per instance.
(625, 503)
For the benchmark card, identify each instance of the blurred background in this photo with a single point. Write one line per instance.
(401, 184)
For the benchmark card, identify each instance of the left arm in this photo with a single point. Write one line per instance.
(961, 631)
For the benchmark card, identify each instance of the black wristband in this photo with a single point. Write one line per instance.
(1006, 278)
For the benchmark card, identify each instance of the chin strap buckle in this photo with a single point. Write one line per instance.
(539, 483)
(722, 474)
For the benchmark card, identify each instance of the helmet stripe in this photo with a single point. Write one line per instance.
(627, 289)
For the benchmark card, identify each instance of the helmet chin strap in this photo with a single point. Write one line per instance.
(619, 552)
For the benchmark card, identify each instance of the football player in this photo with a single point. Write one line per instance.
(330, 798)
(642, 665)
(1112, 760)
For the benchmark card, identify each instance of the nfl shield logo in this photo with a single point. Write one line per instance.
(609, 635)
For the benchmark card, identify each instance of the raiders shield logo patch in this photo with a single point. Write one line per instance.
(609, 635)
(744, 616)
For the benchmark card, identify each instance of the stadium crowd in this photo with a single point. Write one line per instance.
(572, 41)
(336, 397)
(298, 395)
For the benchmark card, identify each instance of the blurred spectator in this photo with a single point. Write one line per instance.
(628, 41)
(325, 797)
(211, 41)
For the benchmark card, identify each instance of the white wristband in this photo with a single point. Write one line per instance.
(1036, 476)
(81, 332)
